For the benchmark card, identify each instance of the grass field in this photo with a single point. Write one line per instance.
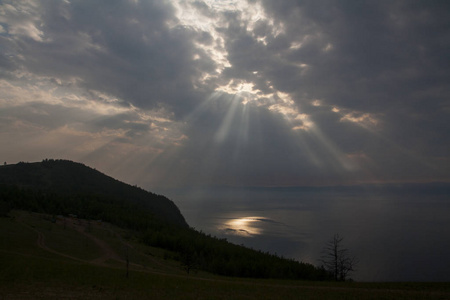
(74, 259)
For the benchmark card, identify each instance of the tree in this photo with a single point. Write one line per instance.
(337, 260)
(189, 260)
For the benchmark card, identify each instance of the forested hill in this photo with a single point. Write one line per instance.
(61, 187)
(66, 187)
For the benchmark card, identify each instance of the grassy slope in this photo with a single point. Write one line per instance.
(74, 265)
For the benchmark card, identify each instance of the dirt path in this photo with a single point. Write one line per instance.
(107, 251)
(41, 244)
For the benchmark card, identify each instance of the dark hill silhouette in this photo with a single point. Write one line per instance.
(74, 184)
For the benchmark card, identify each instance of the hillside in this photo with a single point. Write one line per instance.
(69, 185)
(63, 188)
(74, 259)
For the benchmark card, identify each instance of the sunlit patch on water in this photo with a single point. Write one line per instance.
(246, 226)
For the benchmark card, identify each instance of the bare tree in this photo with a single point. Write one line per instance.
(338, 260)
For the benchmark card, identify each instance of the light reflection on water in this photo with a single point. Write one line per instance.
(246, 226)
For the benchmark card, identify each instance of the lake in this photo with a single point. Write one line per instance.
(397, 232)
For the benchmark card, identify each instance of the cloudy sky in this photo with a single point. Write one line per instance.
(229, 92)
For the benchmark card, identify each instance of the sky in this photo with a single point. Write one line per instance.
(229, 93)
(244, 112)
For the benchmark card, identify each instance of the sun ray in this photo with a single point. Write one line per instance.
(226, 125)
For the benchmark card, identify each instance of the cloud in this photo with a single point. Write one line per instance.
(235, 92)
(379, 55)
(124, 49)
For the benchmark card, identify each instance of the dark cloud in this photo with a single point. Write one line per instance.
(388, 58)
(382, 53)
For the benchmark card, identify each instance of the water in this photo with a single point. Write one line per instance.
(398, 233)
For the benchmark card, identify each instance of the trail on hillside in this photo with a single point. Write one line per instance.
(107, 252)
(41, 244)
